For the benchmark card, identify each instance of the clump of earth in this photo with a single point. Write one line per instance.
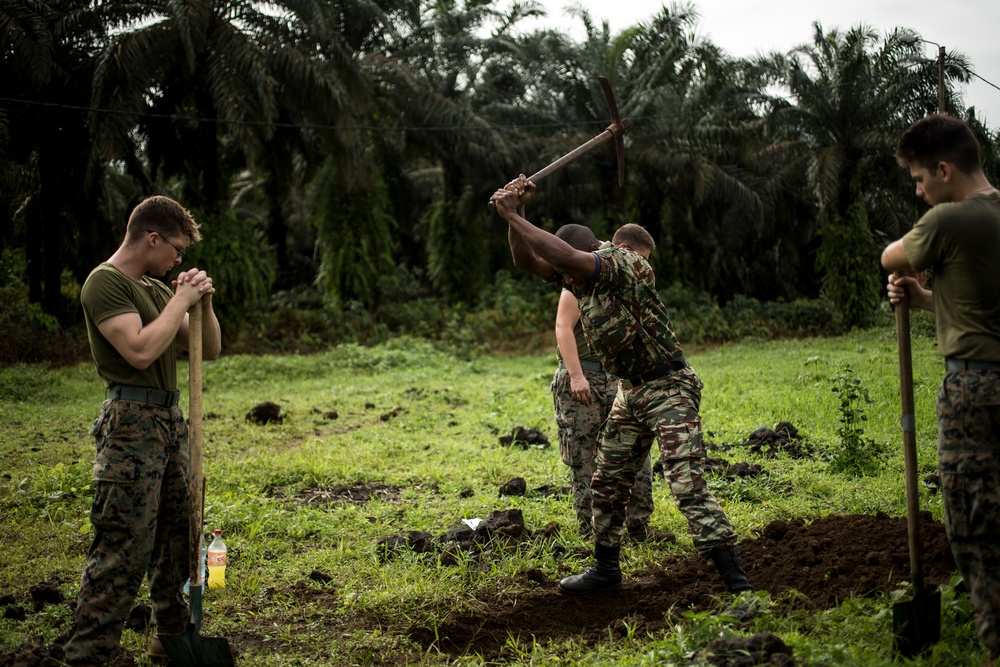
(525, 438)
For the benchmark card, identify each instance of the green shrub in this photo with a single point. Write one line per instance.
(33, 336)
(856, 453)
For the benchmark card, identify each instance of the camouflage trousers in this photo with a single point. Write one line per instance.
(579, 428)
(666, 409)
(968, 408)
(140, 518)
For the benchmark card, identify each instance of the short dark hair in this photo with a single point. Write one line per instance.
(580, 237)
(940, 138)
(164, 216)
(635, 237)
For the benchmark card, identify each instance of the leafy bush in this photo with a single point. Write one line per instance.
(856, 454)
(699, 321)
(33, 336)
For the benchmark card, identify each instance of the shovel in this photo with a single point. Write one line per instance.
(190, 649)
(916, 623)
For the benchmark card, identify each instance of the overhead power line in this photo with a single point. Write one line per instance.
(362, 128)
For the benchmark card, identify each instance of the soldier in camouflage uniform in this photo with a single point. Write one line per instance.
(141, 508)
(959, 239)
(582, 394)
(659, 395)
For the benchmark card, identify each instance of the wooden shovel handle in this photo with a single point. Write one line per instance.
(196, 486)
(909, 443)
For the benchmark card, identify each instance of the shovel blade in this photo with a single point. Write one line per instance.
(192, 650)
(916, 623)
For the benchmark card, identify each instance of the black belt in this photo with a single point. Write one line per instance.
(586, 365)
(672, 366)
(953, 364)
(157, 397)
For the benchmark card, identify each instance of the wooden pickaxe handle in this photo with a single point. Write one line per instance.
(614, 132)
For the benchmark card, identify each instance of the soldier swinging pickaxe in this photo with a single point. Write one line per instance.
(616, 131)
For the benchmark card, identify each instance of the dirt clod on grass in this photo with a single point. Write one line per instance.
(524, 438)
(763, 648)
(514, 487)
(784, 438)
(265, 413)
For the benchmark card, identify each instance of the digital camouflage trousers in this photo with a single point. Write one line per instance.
(579, 429)
(140, 517)
(968, 408)
(665, 409)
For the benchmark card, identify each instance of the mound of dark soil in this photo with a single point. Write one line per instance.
(825, 561)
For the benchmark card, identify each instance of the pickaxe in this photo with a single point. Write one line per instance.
(616, 131)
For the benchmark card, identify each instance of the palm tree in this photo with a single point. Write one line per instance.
(45, 145)
(848, 97)
(693, 157)
(435, 91)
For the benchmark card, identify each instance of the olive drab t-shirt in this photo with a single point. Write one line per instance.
(583, 350)
(108, 292)
(961, 242)
(623, 319)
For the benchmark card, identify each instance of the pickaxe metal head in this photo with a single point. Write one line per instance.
(617, 128)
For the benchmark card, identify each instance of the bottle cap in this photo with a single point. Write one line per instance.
(218, 531)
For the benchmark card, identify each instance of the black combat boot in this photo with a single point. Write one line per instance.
(730, 566)
(604, 576)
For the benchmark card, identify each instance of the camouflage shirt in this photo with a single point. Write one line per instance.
(623, 319)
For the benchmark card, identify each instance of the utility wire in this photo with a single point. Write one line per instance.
(984, 80)
(363, 128)
(313, 126)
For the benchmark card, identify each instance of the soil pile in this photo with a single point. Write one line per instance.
(825, 561)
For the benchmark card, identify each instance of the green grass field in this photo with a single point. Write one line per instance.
(421, 429)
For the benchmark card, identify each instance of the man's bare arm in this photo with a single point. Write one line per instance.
(567, 315)
(904, 281)
(547, 251)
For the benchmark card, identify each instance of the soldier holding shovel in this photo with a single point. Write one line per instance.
(140, 514)
(959, 239)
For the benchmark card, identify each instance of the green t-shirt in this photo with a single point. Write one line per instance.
(108, 292)
(961, 243)
(623, 318)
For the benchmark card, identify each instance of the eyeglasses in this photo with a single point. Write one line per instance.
(179, 251)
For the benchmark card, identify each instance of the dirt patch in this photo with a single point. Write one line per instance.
(355, 494)
(825, 561)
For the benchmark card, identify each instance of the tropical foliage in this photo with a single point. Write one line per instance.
(336, 146)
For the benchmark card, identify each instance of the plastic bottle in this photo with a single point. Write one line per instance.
(217, 562)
